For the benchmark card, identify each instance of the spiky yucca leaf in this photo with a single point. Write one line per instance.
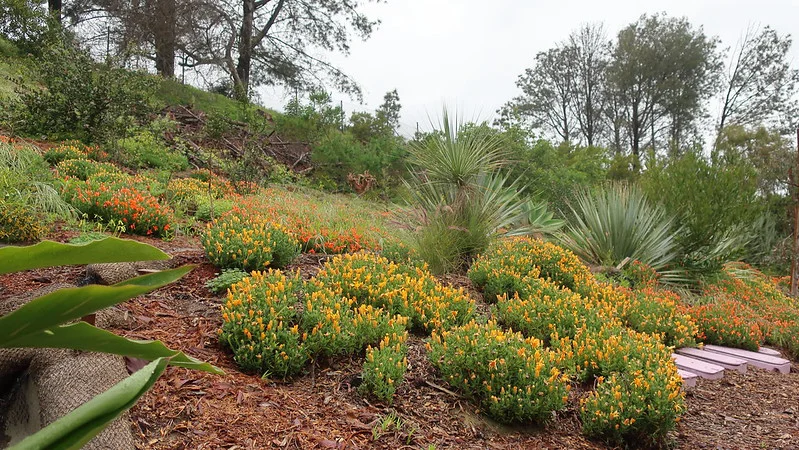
(617, 222)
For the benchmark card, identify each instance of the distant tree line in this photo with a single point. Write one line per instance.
(652, 86)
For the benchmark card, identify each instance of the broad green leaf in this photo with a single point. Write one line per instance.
(78, 427)
(69, 304)
(49, 254)
(82, 336)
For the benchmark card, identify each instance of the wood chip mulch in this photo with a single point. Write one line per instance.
(322, 408)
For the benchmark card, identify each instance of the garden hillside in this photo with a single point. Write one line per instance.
(476, 286)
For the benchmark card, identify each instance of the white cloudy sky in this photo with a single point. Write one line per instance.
(468, 53)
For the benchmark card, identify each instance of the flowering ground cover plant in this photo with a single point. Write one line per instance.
(74, 150)
(276, 323)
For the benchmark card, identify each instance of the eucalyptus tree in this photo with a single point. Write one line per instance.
(760, 85)
(663, 70)
(590, 51)
(277, 41)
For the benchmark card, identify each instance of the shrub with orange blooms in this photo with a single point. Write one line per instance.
(140, 212)
(636, 408)
(385, 365)
(515, 379)
(249, 244)
(723, 321)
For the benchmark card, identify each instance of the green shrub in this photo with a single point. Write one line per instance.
(515, 379)
(207, 211)
(222, 282)
(145, 150)
(460, 199)
(248, 244)
(80, 98)
(20, 223)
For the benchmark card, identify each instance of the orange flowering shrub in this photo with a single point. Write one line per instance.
(728, 322)
(515, 379)
(140, 212)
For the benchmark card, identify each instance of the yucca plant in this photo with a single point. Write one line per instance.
(537, 219)
(616, 222)
(459, 197)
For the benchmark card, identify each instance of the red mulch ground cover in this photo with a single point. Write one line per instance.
(321, 409)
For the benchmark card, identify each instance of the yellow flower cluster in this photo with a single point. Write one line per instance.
(252, 244)
(401, 289)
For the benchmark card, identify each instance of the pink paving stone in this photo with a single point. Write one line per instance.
(688, 378)
(754, 358)
(769, 351)
(726, 361)
(702, 368)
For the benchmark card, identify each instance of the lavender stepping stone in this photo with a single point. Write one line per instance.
(726, 361)
(754, 358)
(702, 368)
(688, 378)
(769, 351)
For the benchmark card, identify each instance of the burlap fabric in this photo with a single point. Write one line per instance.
(37, 386)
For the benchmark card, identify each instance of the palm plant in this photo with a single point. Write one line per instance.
(459, 197)
(616, 222)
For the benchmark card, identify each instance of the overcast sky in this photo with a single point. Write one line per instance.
(469, 53)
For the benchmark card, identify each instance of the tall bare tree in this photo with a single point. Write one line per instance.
(760, 85)
(590, 50)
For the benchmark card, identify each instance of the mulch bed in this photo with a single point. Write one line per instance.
(322, 408)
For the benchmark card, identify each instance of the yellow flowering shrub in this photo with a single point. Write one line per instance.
(20, 223)
(83, 169)
(259, 324)
(401, 289)
(611, 348)
(248, 244)
(548, 309)
(385, 365)
(635, 408)
(503, 267)
(515, 379)
(658, 312)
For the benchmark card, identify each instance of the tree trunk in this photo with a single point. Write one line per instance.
(54, 7)
(163, 23)
(245, 50)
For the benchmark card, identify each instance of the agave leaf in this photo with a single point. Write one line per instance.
(70, 304)
(51, 254)
(78, 427)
